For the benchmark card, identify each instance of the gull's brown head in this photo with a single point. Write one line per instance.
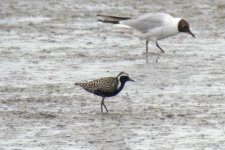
(183, 26)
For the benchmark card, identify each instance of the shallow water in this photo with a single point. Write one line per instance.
(177, 101)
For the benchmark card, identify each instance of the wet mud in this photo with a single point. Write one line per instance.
(177, 101)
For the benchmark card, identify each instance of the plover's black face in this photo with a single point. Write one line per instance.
(123, 77)
(183, 26)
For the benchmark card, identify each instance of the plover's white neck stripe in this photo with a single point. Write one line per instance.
(118, 78)
(123, 74)
(118, 85)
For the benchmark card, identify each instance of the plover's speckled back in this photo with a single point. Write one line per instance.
(106, 87)
(151, 26)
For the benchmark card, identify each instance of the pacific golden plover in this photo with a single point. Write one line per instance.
(106, 87)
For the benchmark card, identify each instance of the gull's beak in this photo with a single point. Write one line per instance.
(131, 80)
(191, 33)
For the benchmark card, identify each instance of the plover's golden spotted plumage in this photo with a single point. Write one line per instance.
(106, 87)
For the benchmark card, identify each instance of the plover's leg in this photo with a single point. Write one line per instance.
(159, 47)
(104, 104)
(146, 47)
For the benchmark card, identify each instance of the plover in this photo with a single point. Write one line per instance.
(106, 87)
(151, 26)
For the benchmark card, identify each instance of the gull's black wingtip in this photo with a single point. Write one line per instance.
(111, 19)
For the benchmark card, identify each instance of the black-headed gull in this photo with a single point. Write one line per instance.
(151, 26)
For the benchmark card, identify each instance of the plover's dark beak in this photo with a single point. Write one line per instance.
(131, 80)
(191, 34)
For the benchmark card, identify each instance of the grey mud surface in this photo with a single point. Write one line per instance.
(177, 101)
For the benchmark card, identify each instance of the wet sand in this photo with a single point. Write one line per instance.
(177, 101)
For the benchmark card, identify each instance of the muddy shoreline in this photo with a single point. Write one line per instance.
(177, 101)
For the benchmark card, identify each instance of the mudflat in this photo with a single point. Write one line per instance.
(177, 101)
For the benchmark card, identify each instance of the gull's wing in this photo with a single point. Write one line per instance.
(146, 22)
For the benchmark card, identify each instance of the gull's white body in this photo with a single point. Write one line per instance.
(152, 26)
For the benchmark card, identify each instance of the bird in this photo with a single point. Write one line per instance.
(106, 87)
(150, 26)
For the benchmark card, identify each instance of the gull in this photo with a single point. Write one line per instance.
(151, 26)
